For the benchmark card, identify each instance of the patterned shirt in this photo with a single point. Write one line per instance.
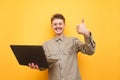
(65, 49)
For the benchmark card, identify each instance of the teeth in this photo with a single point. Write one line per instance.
(58, 28)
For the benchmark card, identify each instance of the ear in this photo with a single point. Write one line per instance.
(64, 24)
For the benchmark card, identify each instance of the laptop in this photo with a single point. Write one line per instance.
(26, 54)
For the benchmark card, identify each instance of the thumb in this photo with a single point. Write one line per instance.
(82, 20)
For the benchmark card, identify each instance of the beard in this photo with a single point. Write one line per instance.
(58, 28)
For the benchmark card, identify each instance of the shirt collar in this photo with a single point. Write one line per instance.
(60, 38)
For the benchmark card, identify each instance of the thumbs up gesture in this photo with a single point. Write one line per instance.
(81, 29)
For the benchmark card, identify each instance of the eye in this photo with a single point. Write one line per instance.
(54, 24)
(60, 23)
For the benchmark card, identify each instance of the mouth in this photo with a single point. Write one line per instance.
(58, 28)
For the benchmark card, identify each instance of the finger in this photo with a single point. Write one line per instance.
(82, 20)
(78, 26)
(30, 65)
(33, 66)
(36, 66)
(78, 29)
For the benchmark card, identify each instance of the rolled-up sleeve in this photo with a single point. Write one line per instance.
(88, 47)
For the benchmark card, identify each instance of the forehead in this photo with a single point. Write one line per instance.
(57, 21)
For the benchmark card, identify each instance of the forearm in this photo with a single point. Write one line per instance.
(89, 46)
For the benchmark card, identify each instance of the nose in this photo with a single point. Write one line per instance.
(57, 25)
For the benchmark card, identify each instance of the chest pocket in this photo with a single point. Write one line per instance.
(52, 53)
(68, 52)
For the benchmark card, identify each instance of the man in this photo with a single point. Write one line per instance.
(65, 49)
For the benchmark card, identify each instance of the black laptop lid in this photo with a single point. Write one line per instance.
(30, 54)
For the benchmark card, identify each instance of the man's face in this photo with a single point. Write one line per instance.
(58, 26)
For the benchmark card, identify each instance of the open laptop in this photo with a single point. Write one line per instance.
(31, 54)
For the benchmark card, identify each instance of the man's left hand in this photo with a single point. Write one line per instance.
(81, 29)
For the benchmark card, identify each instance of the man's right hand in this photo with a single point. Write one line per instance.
(33, 66)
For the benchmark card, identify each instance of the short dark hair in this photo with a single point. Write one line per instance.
(58, 16)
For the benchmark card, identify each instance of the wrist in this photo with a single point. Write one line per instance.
(87, 33)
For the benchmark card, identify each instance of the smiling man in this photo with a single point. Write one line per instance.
(65, 49)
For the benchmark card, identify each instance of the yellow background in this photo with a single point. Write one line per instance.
(28, 22)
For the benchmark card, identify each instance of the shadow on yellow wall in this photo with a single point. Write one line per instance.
(28, 22)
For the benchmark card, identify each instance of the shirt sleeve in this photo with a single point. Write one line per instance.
(88, 47)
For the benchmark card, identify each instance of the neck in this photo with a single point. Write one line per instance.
(59, 35)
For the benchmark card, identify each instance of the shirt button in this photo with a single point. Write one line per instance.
(60, 59)
(62, 77)
(61, 68)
